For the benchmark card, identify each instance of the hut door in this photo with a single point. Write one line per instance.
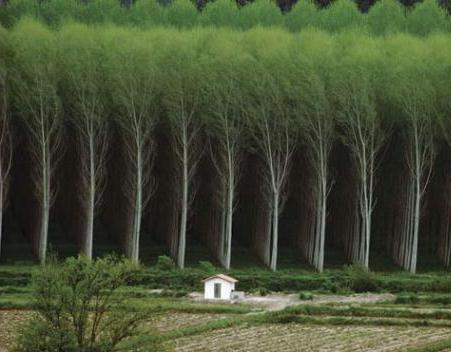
(217, 290)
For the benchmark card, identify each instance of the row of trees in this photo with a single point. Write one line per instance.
(384, 17)
(234, 100)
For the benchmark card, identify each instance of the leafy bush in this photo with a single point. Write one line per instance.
(207, 267)
(78, 308)
(306, 296)
(165, 263)
(331, 285)
(361, 279)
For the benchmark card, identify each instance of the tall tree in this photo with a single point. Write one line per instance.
(81, 63)
(317, 131)
(39, 106)
(416, 103)
(133, 82)
(225, 126)
(272, 130)
(182, 101)
(364, 138)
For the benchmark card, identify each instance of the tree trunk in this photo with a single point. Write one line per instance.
(275, 231)
(45, 206)
(184, 205)
(90, 209)
(137, 209)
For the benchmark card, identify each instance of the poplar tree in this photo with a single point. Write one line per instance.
(364, 137)
(272, 129)
(133, 77)
(38, 103)
(225, 127)
(82, 68)
(181, 101)
(416, 103)
(315, 119)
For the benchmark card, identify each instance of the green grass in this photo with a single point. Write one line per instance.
(433, 347)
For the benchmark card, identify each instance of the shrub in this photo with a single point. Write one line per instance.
(78, 308)
(165, 263)
(361, 279)
(207, 267)
(306, 296)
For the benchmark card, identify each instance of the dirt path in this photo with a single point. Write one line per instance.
(278, 301)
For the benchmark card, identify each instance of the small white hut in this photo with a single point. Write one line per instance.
(219, 287)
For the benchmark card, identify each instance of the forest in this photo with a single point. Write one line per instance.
(229, 136)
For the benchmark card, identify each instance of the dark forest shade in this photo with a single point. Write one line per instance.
(263, 138)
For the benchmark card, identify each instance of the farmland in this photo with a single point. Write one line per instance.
(413, 316)
(210, 331)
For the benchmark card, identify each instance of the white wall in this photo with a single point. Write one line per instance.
(226, 288)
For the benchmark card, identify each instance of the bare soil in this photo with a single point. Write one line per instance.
(278, 301)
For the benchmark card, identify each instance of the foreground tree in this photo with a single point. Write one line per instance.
(81, 63)
(77, 308)
(38, 103)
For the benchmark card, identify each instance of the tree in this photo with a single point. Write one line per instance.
(386, 16)
(317, 131)
(81, 62)
(181, 101)
(304, 14)
(341, 14)
(39, 106)
(220, 13)
(427, 17)
(6, 147)
(225, 127)
(259, 13)
(78, 309)
(272, 131)
(133, 81)
(416, 104)
(356, 94)
(316, 124)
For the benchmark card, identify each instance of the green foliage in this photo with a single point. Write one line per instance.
(222, 13)
(207, 267)
(306, 296)
(427, 17)
(165, 263)
(304, 14)
(361, 279)
(407, 298)
(384, 17)
(76, 306)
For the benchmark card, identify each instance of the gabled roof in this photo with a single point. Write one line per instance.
(221, 276)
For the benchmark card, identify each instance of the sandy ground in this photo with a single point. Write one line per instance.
(278, 301)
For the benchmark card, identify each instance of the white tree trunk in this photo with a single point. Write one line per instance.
(184, 203)
(90, 209)
(275, 231)
(45, 205)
